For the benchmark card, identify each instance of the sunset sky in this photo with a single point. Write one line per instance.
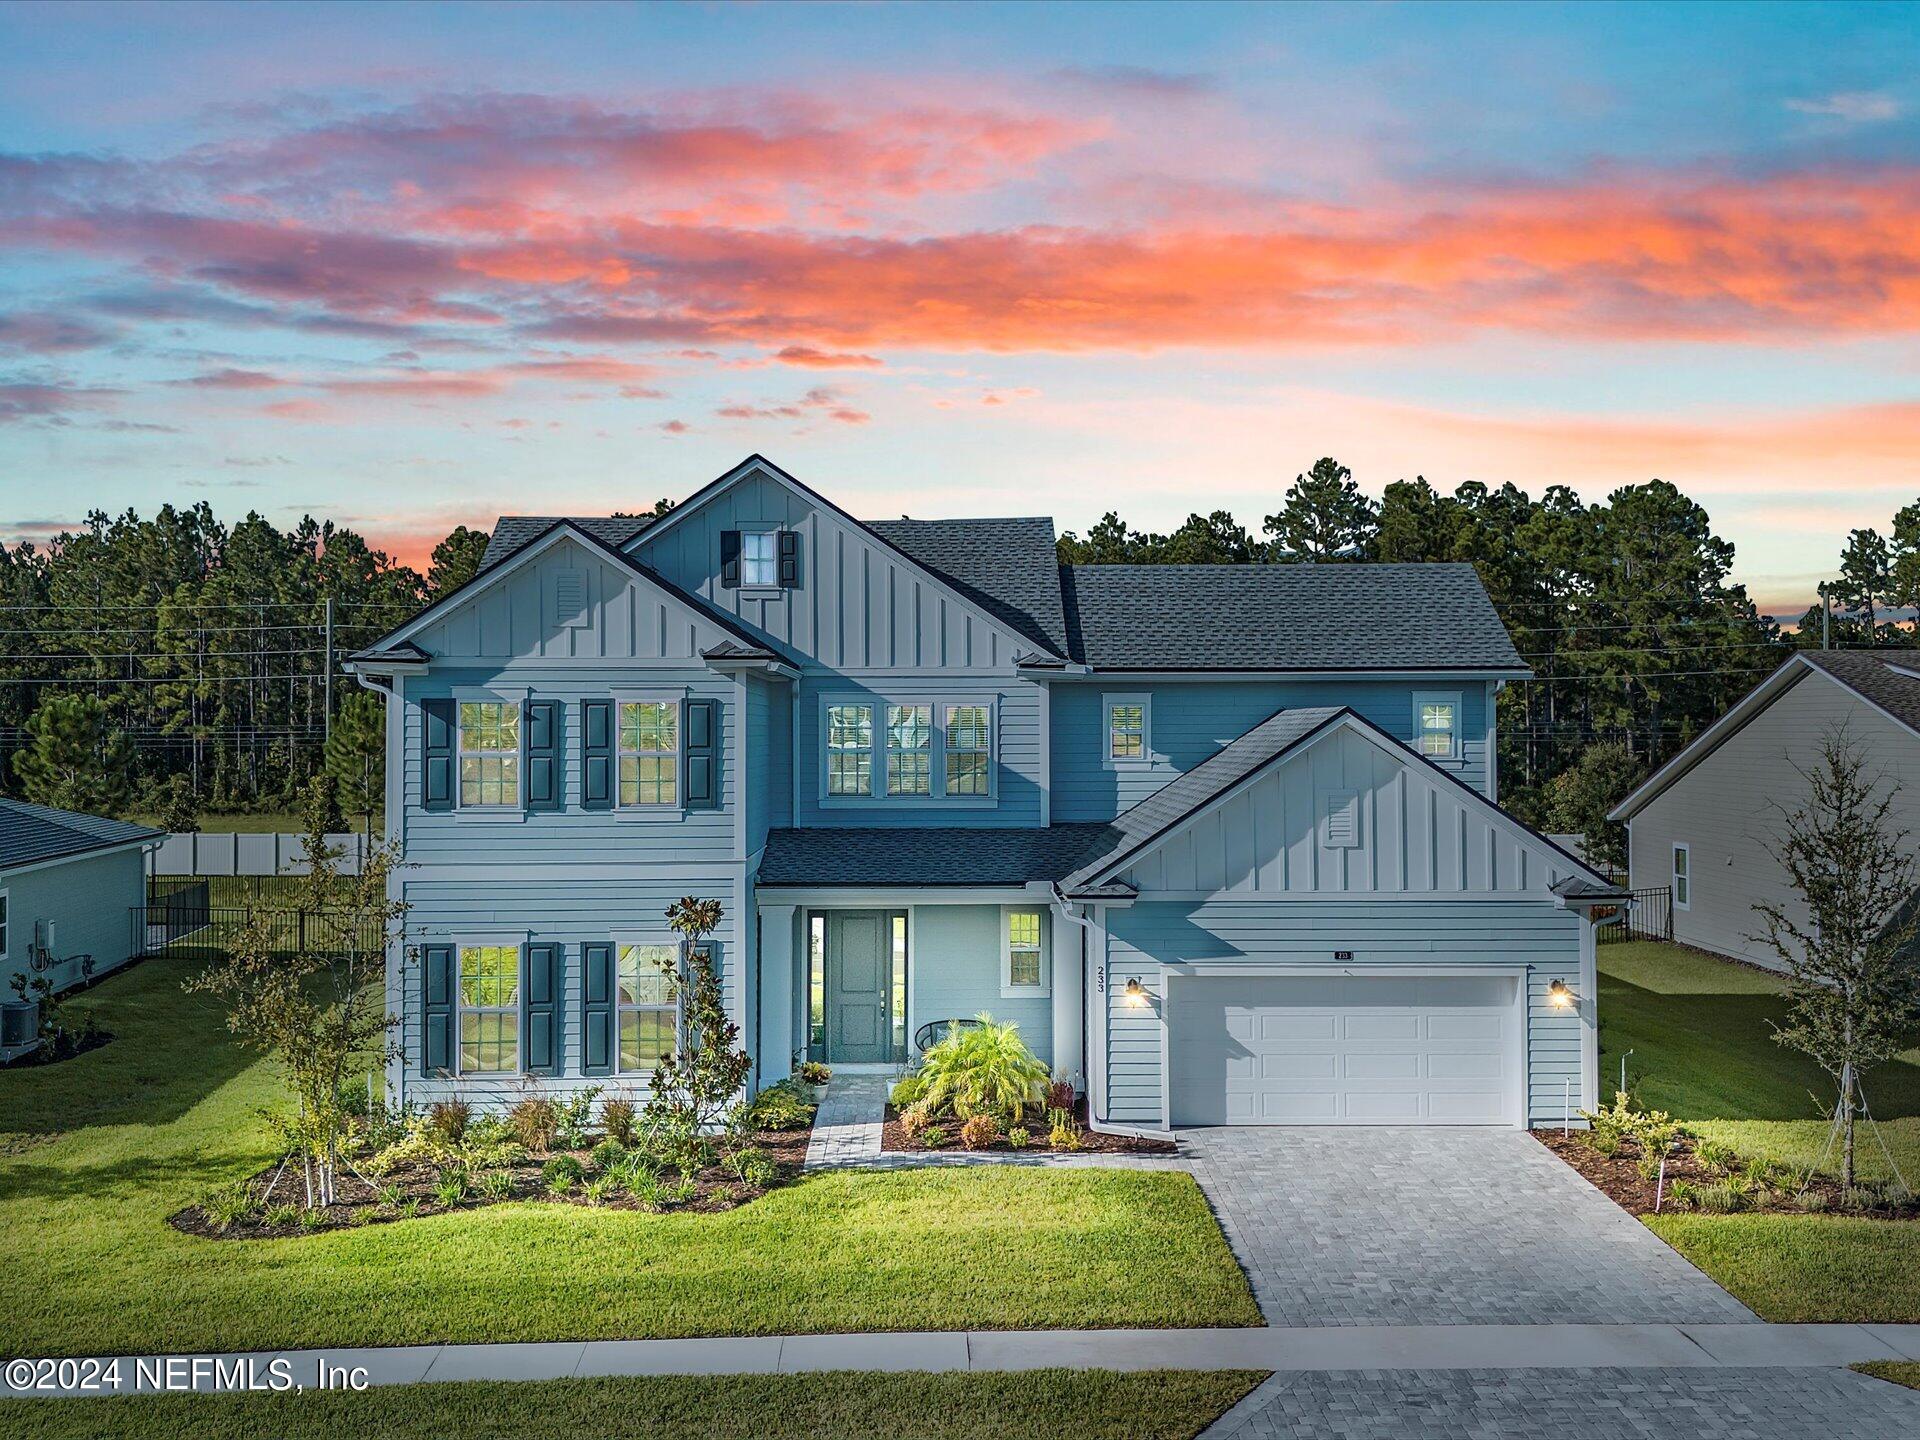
(405, 267)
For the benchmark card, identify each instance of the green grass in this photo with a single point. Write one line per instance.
(106, 1146)
(1701, 1032)
(1032, 1405)
(1900, 1372)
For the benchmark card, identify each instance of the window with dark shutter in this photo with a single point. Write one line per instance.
(700, 754)
(596, 754)
(730, 559)
(436, 755)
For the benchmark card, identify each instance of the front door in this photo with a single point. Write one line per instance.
(859, 1019)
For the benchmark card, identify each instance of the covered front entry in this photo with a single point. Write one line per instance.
(1344, 1050)
(857, 986)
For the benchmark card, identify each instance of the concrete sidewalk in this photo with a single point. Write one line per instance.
(1302, 1348)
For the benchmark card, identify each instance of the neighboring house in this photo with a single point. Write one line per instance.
(69, 886)
(1222, 840)
(1707, 822)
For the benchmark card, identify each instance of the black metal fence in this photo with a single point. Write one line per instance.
(178, 922)
(1648, 916)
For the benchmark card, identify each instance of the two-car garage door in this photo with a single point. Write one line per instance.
(1343, 1050)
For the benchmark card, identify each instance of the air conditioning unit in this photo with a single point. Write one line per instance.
(19, 1028)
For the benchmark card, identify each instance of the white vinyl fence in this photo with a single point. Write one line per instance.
(230, 854)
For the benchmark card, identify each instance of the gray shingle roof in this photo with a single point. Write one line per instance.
(1872, 675)
(31, 834)
(1134, 828)
(1285, 617)
(1007, 567)
(510, 532)
(926, 855)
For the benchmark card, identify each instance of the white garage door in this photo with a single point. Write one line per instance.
(1343, 1050)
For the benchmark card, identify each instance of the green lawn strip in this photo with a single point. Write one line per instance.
(1900, 1372)
(1801, 1143)
(1806, 1268)
(1030, 1405)
(88, 1264)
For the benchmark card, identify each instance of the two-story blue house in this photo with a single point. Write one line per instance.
(1223, 840)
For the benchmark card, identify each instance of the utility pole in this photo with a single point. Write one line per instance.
(326, 688)
(1826, 618)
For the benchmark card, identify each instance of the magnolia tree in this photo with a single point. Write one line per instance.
(1854, 984)
(304, 982)
(695, 1087)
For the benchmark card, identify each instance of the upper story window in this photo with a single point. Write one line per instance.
(489, 1009)
(850, 749)
(759, 557)
(1126, 723)
(909, 749)
(1436, 726)
(489, 754)
(649, 752)
(969, 749)
(649, 1015)
(917, 750)
(1682, 877)
(1022, 967)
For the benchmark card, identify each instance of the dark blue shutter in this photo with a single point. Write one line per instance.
(596, 1009)
(596, 754)
(436, 754)
(540, 1011)
(436, 1009)
(700, 754)
(789, 558)
(543, 754)
(730, 559)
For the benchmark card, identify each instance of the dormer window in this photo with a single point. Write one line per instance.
(759, 559)
(1436, 726)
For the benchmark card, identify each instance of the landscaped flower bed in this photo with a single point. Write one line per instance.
(895, 1137)
(448, 1159)
(1621, 1154)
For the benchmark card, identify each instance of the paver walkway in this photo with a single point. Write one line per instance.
(1406, 1226)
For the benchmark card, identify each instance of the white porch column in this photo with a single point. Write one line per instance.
(1069, 999)
(775, 1041)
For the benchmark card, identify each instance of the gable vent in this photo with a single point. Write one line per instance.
(568, 592)
(1340, 824)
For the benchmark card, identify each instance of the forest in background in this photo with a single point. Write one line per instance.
(180, 647)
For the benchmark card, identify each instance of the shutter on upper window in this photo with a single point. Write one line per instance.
(436, 755)
(700, 754)
(596, 754)
(540, 1012)
(436, 1009)
(789, 558)
(596, 1009)
(730, 559)
(543, 754)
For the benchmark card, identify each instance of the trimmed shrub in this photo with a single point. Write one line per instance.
(607, 1155)
(907, 1091)
(779, 1107)
(915, 1119)
(1019, 1137)
(561, 1174)
(979, 1132)
(933, 1137)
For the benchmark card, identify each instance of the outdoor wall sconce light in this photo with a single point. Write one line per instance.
(1558, 995)
(1136, 993)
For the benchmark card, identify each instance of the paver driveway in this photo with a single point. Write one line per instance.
(1391, 1226)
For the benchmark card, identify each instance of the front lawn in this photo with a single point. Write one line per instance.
(1032, 1405)
(108, 1145)
(1900, 1372)
(1701, 1035)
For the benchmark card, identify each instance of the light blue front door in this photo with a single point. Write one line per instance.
(859, 1015)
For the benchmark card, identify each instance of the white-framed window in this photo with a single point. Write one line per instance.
(648, 1010)
(759, 557)
(1436, 725)
(1682, 877)
(489, 755)
(489, 1000)
(850, 749)
(1023, 963)
(969, 749)
(1126, 720)
(909, 749)
(649, 753)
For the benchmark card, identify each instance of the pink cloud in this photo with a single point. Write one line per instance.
(808, 356)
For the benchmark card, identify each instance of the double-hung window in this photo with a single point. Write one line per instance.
(1126, 717)
(649, 1013)
(1682, 877)
(759, 557)
(1022, 966)
(649, 752)
(489, 754)
(909, 750)
(1436, 726)
(850, 749)
(969, 746)
(489, 1009)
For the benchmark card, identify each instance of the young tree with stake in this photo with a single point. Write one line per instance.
(1854, 984)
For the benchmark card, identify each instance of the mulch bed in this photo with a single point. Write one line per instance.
(1618, 1177)
(359, 1204)
(894, 1139)
(53, 1055)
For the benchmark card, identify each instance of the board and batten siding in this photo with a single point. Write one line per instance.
(1539, 941)
(1728, 810)
(90, 901)
(954, 960)
(1191, 721)
(859, 603)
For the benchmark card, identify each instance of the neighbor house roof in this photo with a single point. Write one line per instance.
(513, 532)
(925, 855)
(1285, 617)
(35, 834)
(1885, 679)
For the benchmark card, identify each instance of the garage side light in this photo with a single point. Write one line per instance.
(1136, 993)
(1558, 995)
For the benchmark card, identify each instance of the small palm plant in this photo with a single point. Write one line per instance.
(985, 1069)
